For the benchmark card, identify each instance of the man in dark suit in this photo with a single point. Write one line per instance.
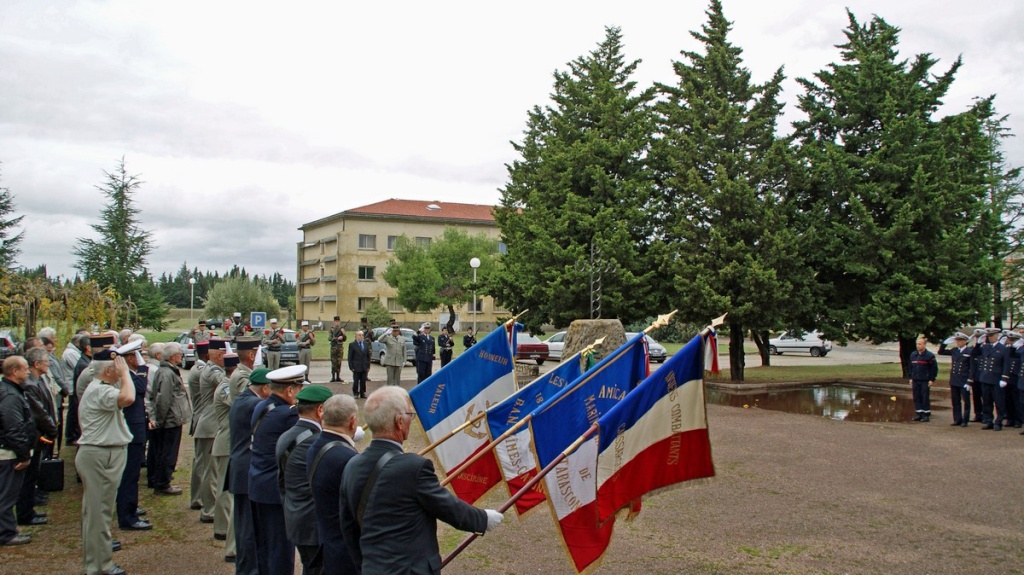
(272, 417)
(359, 364)
(299, 515)
(138, 423)
(325, 462)
(394, 530)
(240, 433)
(424, 343)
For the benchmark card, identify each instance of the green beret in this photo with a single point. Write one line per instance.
(259, 376)
(314, 394)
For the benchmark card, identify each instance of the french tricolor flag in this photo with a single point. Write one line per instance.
(564, 419)
(657, 435)
(480, 377)
(514, 454)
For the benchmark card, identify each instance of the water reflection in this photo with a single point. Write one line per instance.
(837, 402)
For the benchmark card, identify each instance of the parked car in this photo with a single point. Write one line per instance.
(811, 342)
(529, 347)
(188, 349)
(555, 345)
(8, 344)
(655, 350)
(377, 348)
(214, 323)
(289, 348)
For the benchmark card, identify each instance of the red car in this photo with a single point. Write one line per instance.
(529, 347)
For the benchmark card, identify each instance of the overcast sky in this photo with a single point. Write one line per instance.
(247, 119)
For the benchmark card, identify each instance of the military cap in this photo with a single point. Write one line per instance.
(338, 318)
(259, 376)
(246, 343)
(305, 323)
(202, 322)
(314, 394)
(295, 374)
(273, 320)
(130, 347)
(993, 331)
(960, 335)
(105, 354)
(237, 314)
(230, 359)
(218, 343)
(426, 325)
(1012, 335)
(204, 343)
(101, 340)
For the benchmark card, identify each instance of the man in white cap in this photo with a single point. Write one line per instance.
(960, 377)
(273, 341)
(425, 355)
(992, 372)
(307, 339)
(272, 417)
(394, 353)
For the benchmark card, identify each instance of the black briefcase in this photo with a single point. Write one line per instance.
(51, 475)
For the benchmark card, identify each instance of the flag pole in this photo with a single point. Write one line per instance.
(526, 488)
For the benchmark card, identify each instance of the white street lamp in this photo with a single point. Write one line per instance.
(192, 297)
(474, 263)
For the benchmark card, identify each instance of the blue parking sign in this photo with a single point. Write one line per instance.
(258, 319)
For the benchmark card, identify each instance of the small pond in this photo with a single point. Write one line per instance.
(842, 402)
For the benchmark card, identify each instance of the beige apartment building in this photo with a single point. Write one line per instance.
(341, 259)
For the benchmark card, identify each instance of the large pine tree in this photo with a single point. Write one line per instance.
(721, 172)
(9, 242)
(580, 186)
(897, 193)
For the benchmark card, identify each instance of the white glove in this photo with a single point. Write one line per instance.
(493, 519)
(1002, 383)
(360, 434)
(967, 387)
(948, 340)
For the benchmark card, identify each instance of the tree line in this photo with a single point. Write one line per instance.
(874, 218)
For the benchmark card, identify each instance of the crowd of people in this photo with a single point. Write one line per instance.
(985, 373)
(276, 467)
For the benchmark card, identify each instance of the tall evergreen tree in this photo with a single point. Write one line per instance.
(580, 187)
(10, 243)
(898, 193)
(117, 260)
(721, 172)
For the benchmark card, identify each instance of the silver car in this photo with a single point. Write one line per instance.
(655, 350)
(188, 349)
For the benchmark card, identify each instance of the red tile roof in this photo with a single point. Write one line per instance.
(427, 209)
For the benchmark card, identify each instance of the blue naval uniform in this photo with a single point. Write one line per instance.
(424, 356)
(961, 376)
(923, 369)
(274, 416)
(240, 433)
(135, 418)
(992, 367)
(1013, 414)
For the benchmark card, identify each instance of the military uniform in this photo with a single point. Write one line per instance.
(960, 382)
(220, 452)
(394, 354)
(272, 417)
(100, 462)
(273, 342)
(1013, 416)
(446, 343)
(338, 337)
(424, 343)
(205, 433)
(307, 339)
(240, 434)
(137, 421)
(992, 371)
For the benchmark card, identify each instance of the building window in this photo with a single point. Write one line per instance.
(479, 306)
(321, 306)
(364, 302)
(394, 306)
(502, 248)
(366, 272)
(392, 240)
(322, 248)
(423, 242)
(367, 242)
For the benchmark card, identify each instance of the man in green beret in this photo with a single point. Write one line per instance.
(296, 495)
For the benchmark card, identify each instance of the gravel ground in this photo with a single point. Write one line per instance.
(792, 494)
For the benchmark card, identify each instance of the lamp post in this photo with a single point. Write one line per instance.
(474, 263)
(192, 297)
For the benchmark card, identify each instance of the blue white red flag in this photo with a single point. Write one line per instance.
(568, 416)
(518, 465)
(480, 377)
(657, 436)
(711, 351)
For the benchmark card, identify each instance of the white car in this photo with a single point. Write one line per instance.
(555, 345)
(811, 342)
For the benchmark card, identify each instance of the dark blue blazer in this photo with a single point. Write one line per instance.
(991, 363)
(135, 414)
(263, 465)
(326, 487)
(424, 347)
(399, 530)
(961, 366)
(240, 430)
